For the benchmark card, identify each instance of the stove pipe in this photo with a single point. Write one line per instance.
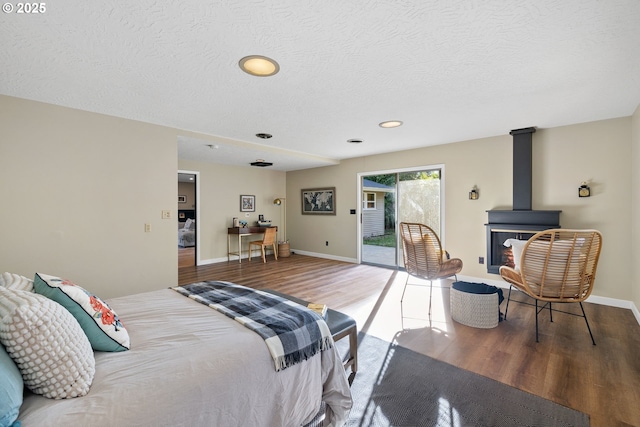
(522, 168)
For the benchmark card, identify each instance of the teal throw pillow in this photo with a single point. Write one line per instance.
(98, 321)
(11, 388)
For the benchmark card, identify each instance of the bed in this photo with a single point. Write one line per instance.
(191, 365)
(187, 233)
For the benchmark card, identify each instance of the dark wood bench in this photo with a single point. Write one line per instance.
(340, 326)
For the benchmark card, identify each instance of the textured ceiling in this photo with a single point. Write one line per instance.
(450, 70)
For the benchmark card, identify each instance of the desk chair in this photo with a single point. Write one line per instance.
(269, 239)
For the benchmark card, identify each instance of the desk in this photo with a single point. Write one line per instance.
(241, 232)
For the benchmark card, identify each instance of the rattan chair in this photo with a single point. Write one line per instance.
(269, 239)
(424, 257)
(556, 266)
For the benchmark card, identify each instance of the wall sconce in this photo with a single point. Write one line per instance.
(474, 194)
(584, 190)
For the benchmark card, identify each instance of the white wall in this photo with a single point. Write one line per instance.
(597, 152)
(77, 189)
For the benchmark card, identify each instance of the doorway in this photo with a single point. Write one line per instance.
(390, 197)
(187, 214)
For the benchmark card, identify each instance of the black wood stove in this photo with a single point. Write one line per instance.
(522, 222)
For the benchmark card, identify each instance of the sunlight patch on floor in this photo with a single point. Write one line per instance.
(384, 317)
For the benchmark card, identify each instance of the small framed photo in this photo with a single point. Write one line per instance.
(247, 203)
(182, 199)
(319, 201)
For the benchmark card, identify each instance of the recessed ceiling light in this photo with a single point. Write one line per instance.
(354, 141)
(264, 135)
(390, 124)
(260, 66)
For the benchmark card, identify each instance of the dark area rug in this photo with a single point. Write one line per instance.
(397, 387)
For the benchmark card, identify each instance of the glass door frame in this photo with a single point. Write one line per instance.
(361, 175)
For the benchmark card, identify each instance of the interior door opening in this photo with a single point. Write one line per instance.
(187, 222)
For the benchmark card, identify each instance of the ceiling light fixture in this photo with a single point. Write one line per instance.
(264, 135)
(261, 163)
(354, 141)
(259, 66)
(390, 124)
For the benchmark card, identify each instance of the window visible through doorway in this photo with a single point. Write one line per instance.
(369, 201)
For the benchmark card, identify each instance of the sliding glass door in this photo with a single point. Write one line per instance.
(391, 197)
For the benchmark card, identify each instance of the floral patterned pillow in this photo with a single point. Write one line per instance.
(99, 322)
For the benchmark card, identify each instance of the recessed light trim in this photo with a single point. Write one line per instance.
(264, 135)
(390, 124)
(259, 66)
(354, 141)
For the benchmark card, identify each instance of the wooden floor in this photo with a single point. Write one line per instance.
(186, 257)
(602, 381)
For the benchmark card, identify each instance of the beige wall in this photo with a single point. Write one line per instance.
(220, 190)
(635, 211)
(77, 189)
(66, 175)
(597, 152)
(187, 189)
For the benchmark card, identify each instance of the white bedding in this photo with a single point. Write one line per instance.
(186, 238)
(190, 365)
(187, 233)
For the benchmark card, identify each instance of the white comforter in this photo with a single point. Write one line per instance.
(190, 365)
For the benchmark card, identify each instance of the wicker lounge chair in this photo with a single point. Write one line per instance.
(556, 266)
(424, 257)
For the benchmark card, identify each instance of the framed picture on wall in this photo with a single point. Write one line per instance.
(182, 199)
(319, 201)
(247, 203)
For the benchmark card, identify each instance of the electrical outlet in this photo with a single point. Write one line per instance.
(147, 228)
(166, 214)
(246, 215)
(481, 260)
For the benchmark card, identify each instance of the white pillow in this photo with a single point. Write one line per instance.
(187, 224)
(16, 282)
(516, 248)
(52, 352)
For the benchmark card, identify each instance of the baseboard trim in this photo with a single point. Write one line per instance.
(325, 256)
(635, 312)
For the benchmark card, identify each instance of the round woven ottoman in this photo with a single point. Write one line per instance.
(475, 304)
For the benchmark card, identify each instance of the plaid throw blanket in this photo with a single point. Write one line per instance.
(292, 333)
